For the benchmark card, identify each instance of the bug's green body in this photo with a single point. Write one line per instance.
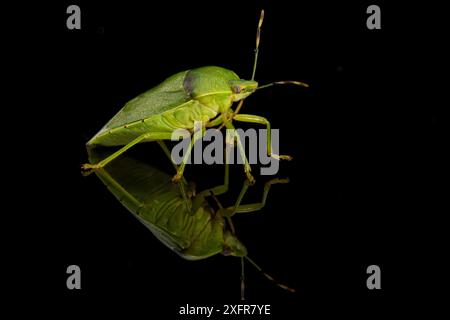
(150, 196)
(204, 95)
(194, 95)
(187, 225)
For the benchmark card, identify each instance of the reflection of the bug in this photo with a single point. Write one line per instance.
(195, 233)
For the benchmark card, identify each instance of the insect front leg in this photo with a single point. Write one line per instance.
(250, 118)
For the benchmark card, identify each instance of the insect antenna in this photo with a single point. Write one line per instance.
(242, 279)
(298, 83)
(283, 286)
(255, 62)
(258, 37)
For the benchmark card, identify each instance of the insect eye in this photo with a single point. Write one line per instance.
(237, 89)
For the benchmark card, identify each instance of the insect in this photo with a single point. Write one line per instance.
(157, 203)
(203, 95)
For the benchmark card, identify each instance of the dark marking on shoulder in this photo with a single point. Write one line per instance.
(189, 82)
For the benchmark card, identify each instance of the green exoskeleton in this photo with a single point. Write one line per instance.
(157, 203)
(203, 95)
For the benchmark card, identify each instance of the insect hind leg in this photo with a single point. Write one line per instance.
(88, 168)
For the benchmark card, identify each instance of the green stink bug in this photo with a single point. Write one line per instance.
(158, 204)
(203, 95)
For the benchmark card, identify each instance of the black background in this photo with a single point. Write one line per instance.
(343, 210)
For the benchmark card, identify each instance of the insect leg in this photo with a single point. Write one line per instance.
(221, 189)
(243, 208)
(215, 122)
(88, 168)
(247, 167)
(261, 120)
(183, 182)
(225, 213)
(240, 197)
(224, 187)
(198, 134)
